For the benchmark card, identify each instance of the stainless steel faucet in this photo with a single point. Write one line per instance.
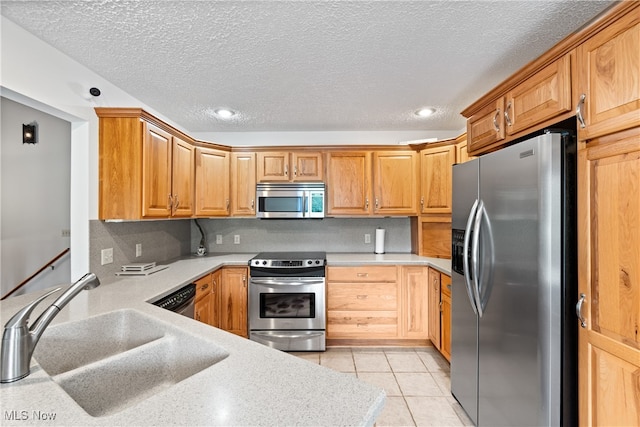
(19, 340)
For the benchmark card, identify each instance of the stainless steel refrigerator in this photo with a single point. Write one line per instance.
(514, 279)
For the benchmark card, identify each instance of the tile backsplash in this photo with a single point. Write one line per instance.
(166, 240)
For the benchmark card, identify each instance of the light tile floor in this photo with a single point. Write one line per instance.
(416, 381)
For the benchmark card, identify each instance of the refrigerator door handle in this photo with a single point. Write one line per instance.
(474, 256)
(465, 258)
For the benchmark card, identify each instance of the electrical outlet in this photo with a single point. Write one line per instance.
(66, 233)
(106, 256)
(236, 239)
(367, 238)
(138, 250)
(218, 239)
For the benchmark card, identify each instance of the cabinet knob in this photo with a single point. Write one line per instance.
(295, 171)
(286, 170)
(366, 203)
(376, 206)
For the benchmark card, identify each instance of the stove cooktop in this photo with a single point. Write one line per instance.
(288, 259)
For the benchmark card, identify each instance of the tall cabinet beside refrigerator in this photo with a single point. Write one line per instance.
(514, 335)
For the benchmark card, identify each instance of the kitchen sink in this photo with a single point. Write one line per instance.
(113, 361)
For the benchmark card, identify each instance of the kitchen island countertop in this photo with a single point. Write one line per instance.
(254, 385)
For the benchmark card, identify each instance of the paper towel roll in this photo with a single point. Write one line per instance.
(379, 241)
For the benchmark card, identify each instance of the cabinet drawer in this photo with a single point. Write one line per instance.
(203, 286)
(362, 274)
(445, 285)
(362, 324)
(362, 296)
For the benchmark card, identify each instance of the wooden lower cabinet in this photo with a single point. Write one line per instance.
(234, 300)
(221, 299)
(386, 305)
(609, 280)
(439, 296)
(202, 309)
(434, 307)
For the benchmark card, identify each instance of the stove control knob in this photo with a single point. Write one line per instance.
(264, 262)
(309, 262)
(317, 261)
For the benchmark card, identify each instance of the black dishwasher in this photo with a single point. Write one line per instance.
(180, 301)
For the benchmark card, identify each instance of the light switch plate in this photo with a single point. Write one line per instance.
(236, 239)
(218, 239)
(138, 250)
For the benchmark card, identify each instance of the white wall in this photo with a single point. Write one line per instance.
(35, 182)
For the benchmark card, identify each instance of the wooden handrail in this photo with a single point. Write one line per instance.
(44, 267)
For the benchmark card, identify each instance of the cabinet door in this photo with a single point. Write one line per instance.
(445, 318)
(415, 299)
(273, 166)
(212, 182)
(307, 166)
(395, 184)
(436, 180)
(434, 307)
(243, 184)
(216, 279)
(156, 172)
(486, 127)
(349, 183)
(609, 279)
(462, 152)
(183, 178)
(233, 300)
(609, 77)
(541, 97)
(202, 309)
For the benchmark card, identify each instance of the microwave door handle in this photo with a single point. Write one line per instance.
(465, 258)
(305, 203)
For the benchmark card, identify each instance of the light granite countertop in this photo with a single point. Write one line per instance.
(253, 385)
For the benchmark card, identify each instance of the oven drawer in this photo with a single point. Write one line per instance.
(362, 296)
(291, 340)
(362, 324)
(363, 274)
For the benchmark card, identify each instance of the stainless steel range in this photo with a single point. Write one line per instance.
(287, 300)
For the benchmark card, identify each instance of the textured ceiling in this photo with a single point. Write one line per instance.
(304, 65)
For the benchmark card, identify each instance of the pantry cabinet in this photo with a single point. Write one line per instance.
(212, 182)
(243, 184)
(609, 279)
(234, 300)
(287, 166)
(608, 63)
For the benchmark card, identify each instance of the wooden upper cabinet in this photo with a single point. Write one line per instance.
(486, 127)
(609, 78)
(212, 182)
(286, 166)
(462, 151)
(609, 279)
(243, 184)
(349, 183)
(436, 179)
(307, 166)
(541, 97)
(157, 200)
(182, 178)
(395, 188)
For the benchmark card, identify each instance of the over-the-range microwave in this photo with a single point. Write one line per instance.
(290, 200)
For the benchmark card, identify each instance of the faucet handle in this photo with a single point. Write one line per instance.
(20, 319)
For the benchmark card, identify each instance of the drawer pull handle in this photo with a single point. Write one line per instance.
(363, 274)
(360, 325)
(362, 296)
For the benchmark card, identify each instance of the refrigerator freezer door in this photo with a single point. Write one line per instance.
(517, 191)
(464, 321)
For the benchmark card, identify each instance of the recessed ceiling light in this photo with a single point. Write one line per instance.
(224, 113)
(425, 112)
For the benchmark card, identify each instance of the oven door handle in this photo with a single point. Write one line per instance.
(272, 335)
(281, 282)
